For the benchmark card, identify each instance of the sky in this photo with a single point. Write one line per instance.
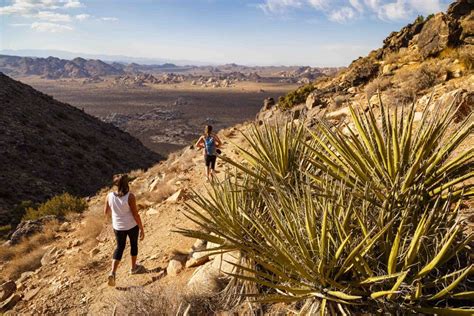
(253, 32)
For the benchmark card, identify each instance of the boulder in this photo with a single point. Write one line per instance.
(314, 99)
(51, 256)
(28, 228)
(268, 103)
(224, 263)
(8, 288)
(9, 303)
(434, 37)
(174, 267)
(205, 281)
(339, 114)
(397, 40)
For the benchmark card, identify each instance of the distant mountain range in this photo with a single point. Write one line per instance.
(78, 67)
(108, 58)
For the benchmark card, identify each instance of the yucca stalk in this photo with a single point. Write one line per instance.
(321, 227)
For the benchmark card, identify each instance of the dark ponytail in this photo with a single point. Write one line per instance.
(121, 181)
(208, 130)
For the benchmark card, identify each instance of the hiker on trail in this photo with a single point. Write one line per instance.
(126, 221)
(210, 142)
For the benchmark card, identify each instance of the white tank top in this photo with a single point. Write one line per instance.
(122, 217)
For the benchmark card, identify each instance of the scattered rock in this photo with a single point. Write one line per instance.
(314, 99)
(28, 228)
(51, 256)
(174, 267)
(31, 294)
(196, 261)
(94, 251)
(339, 114)
(65, 227)
(8, 288)
(178, 195)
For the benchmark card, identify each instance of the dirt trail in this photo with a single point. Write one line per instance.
(74, 282)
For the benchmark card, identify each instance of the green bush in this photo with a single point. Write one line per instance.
(295, 97)
(4, 231)
(59, 205)
(359, 224)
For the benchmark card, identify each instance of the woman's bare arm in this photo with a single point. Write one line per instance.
(218, 141)
(200, 142)
(133, 207)
(107, 209)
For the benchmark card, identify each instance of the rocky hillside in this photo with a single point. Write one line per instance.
(181, 277)
(48, 147)
(55, 68)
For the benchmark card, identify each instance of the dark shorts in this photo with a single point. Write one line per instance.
(210, 161)
(121, 238)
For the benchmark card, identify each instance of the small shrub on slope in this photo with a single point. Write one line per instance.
(59, 206)
(295, 97)
(360, 224)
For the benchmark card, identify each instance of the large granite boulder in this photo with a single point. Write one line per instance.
(434, 36)
(28, 228)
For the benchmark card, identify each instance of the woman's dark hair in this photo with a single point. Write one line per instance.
(121, 181)
(208, 130)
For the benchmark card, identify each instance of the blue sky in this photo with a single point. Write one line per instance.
(264, 32)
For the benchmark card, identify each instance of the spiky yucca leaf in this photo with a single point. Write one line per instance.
(361, 241)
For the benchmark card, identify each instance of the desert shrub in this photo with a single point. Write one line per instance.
(412, 83)
(295, 97)
(366, 223)
(59, 205)
(466, 56)
(4, 231)
(26, 256)
(138, 301)
(379, 83)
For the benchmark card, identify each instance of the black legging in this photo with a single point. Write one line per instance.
(121, 237)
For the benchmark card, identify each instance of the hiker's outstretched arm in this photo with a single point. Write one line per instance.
(218, 141)
(133, 207)
(107, 209)
(200, 142)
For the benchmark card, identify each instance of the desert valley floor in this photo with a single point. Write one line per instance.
(164, 117)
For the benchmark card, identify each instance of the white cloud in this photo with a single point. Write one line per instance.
(82, 17)
(28, 7)
(342, 15)
(73, 4)
(426, 6)
(279, 6)
(50, 27)
(109, 18)
(345, 10)
(357, 5)
(398, 10)
(53, 16)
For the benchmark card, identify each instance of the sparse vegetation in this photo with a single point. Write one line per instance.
(59, 206)
(295, 97)
(466, 56)
(378, 84)
(360, 224)
(26, 256)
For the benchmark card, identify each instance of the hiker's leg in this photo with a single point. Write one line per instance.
(121, 238)
(212, 167)
(208, 163)
(133, 236)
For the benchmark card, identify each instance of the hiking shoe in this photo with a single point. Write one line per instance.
(138, 269)
(111, 279)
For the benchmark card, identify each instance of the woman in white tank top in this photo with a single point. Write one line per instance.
(126, 222)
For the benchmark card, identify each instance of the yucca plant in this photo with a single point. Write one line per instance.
(318, 230)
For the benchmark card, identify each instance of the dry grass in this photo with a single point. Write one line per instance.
(162, 191)
(26, 256)
(138, 301)
(466, 56)
(379, 83)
